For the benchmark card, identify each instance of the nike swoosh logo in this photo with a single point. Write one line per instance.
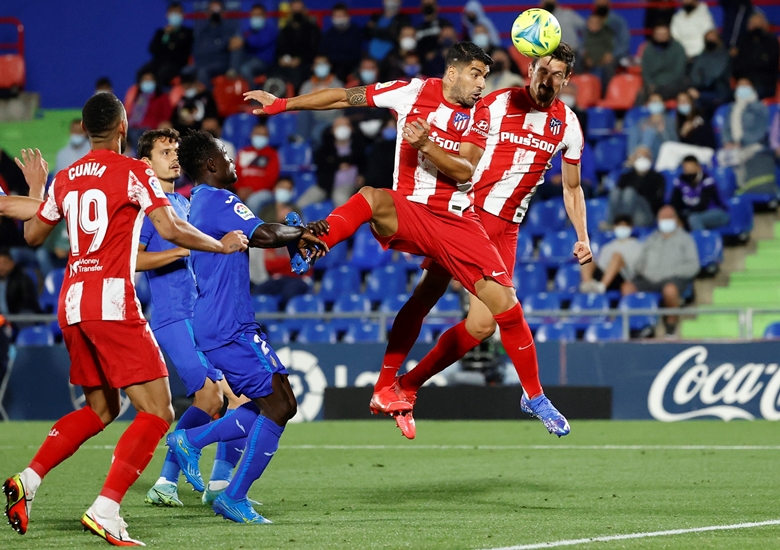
(238, 450)
(386, 367)
(497, 273)
(240, 426)
(415, 110)
(526, 347)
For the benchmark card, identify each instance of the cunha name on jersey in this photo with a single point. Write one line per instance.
(87, 169)
(529, 141)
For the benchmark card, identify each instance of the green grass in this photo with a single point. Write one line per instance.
(408, 496)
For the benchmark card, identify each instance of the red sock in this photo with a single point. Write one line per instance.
(403, 335)
(64, 439)
(519, 345)
(133, 453)
(452, 345)
(346, 219)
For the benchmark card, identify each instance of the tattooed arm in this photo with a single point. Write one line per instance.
(321, 100)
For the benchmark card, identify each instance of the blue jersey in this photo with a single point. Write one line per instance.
(223, 310)
(172, 286)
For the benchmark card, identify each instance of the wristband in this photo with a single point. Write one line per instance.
(278, 106)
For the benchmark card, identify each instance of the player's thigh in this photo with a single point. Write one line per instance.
(497, 298)
(153, 397)
(384, 218)
(192, 366)
(234, 401)
(104, 401)
(479, 321)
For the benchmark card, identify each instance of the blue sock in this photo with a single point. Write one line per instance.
(227, 428)
(228, 455)
(192, 418)
(261, 444)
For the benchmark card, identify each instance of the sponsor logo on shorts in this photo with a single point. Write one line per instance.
(85, 265)
(242, 211)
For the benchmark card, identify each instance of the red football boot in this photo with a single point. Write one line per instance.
(405, 423)
(17, 508)
(391, 400)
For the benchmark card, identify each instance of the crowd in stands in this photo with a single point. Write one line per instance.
(694, 138)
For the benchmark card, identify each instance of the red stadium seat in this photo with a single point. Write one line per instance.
(588, 89)
(229, 94)
(521, 61)
(12, 71)
(622, 92)
(130, 95)
(176, 93)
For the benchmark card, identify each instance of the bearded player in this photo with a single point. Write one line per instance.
(443, 131)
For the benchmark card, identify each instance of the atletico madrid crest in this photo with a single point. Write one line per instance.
(555, 126)
(460, 121)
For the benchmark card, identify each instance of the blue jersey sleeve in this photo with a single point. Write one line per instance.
(147, 232)
(234, 215)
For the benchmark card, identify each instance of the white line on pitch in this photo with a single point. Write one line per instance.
(610, 538)
(482, 447)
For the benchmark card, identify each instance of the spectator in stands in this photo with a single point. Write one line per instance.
(690, 24)
(745, 140)
(596, 55)
(77, 147)
(552, 188)
(283, 193)
(477, 27)
(616, 262)
(412, 67)
(381, 159)
(195, 105)
(342, 44)
(392, 68)
(368, 119)
(654, 129)
(501, 75)
(214, 127)
(658, 16)
(696, 199)
(103, 84)
(710, 75)
(572, 24)
(774, 137)
(757, 56)
(54, 252)
(311, 124)
(569, 97)
(212, 41)
(691, 126)
(663, 66)
(433, 64)
(17, 290)
(298, 44)
(639, 192)
(257, 168)
(147, 109)
(619, 27)
(254, 53)
(429, 31)
(382, 30)
(668, 264)
(171, 47)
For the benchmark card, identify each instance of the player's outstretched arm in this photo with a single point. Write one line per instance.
(146, 261)
(574, 200)
(276, 235)
(459, 167)
(172, 228)
(35, 170)
(321, 100)
(19, 208)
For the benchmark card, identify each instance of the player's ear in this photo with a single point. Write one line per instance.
(211, 166)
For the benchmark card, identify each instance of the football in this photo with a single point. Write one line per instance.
(536, 33)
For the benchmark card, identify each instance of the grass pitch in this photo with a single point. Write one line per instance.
(458, 485)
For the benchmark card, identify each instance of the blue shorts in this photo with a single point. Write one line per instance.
(178, 342)
(249, 364)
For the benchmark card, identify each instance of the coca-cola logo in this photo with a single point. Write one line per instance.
(722, 390)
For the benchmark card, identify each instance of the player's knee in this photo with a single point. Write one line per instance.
(167, 414)
(209, 398)
(106, 414)
(482, 329)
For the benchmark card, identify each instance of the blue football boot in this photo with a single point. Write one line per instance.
(542, 409)
(240, 511)
(188, 458)
(298, 263)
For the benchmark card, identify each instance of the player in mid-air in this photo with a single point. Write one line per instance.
(226, 330)
(528, 126)
(172, 284)
(443, 130)
(102, 198)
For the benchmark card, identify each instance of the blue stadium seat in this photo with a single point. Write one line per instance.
(640, 300)
(669, 177)
(772, 331)
(365, 332)
(633, 116)
(710, 247)
(306, 303)
(316, 211)
(525, 249)
(741, 223)
(303, 181)
(393, 303)
(385, 281)
(52, 284)
(426, 335)
(237, 129)
(599, 239)
(32, 273)
(604, 332)
(265, 303)
(726, 180)
(588, 302)
(543, 217)
(367, 253)
(277, 333)
(567, 278)
(35, 336)
(349, 303)
(538, 302)
(54, 326)
(143, 290)
(556, 248)
(555, 333)
(530, 279)
(449, 302)
(610, 153)
(596, 210)
(281, 127)
(316, 333)
(337, 257)
(719, 121)
(601, 122)
(295, 156)
(338, 281)
(408, 262)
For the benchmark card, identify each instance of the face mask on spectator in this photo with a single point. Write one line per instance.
(684, 108)
(389, 133)
(77, 140)
(428, 9)
(623, 231)
(257, 22)
(411, 70)
(147, 86)
(689, 178)
(601, 11)
(321, 70)
(745, 93)
(259, 142)
(370, 128)
(482, 40)
(667, 225)
(282, 195)
(368, 76)
(655, 107)
(710, 45)
(191, 92)
(688, 8)
(568, 99)
(447, 43)
(341, 22)
(549, 6)
(498, 67)
(408, 43)
(175, 19)
(642, 165)
(342, 133)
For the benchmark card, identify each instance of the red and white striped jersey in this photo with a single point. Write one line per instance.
(102, 197)
(414, 176)
(523, 138)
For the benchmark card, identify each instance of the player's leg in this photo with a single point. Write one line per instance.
(367, 205)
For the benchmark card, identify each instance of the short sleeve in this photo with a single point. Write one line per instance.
(147, 232)
(477, 133)
(233, 215)
(144, 189)
(49, 212)
(573, 141)
(397, 95)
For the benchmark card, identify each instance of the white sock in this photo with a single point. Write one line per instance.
(31, 481)
(162, 481)
(105, 507)
(218, 485)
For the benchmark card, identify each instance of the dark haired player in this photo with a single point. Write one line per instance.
(226, 330)
(103, 197)
(443, 130)
(528, 126)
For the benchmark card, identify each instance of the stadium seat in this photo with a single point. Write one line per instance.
(333, 259)
(719, 121)
(741, 223)
(525, 249)
(367, 253)
(633, 116)
(621, 92)
(601, 122)
(710, 247)
(338, 281)
(295, 156)
(265, 303)
(567, 278)
(449, 302)
(281, 128)
(543, 217)
(426, 335)
(588, 302)
(35, 336)
(52, 284)
(406, 261)
(229, 94)
(385, 281)
(56, 330)
(12, 72)
(772, 331)
(365, 332)
(556, 248)
(316, 211)
(276, 333)
(530, 279)
(559, 332)
(544, 301)
(306, 303)
(316, 333)
(237, 129)
(596, 210)
(599, 239)
(176, 93)
(349, 303)
(610, 153)
(640, 300)
(143, 290)
(588, 89)
(393, 303)
(726, 180)
(303, 181)
(604, 332)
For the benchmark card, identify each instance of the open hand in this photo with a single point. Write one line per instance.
(416, 133)
(311, 247)
(235, 241)
(35, 170)
(264, 98)
(582, 252)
